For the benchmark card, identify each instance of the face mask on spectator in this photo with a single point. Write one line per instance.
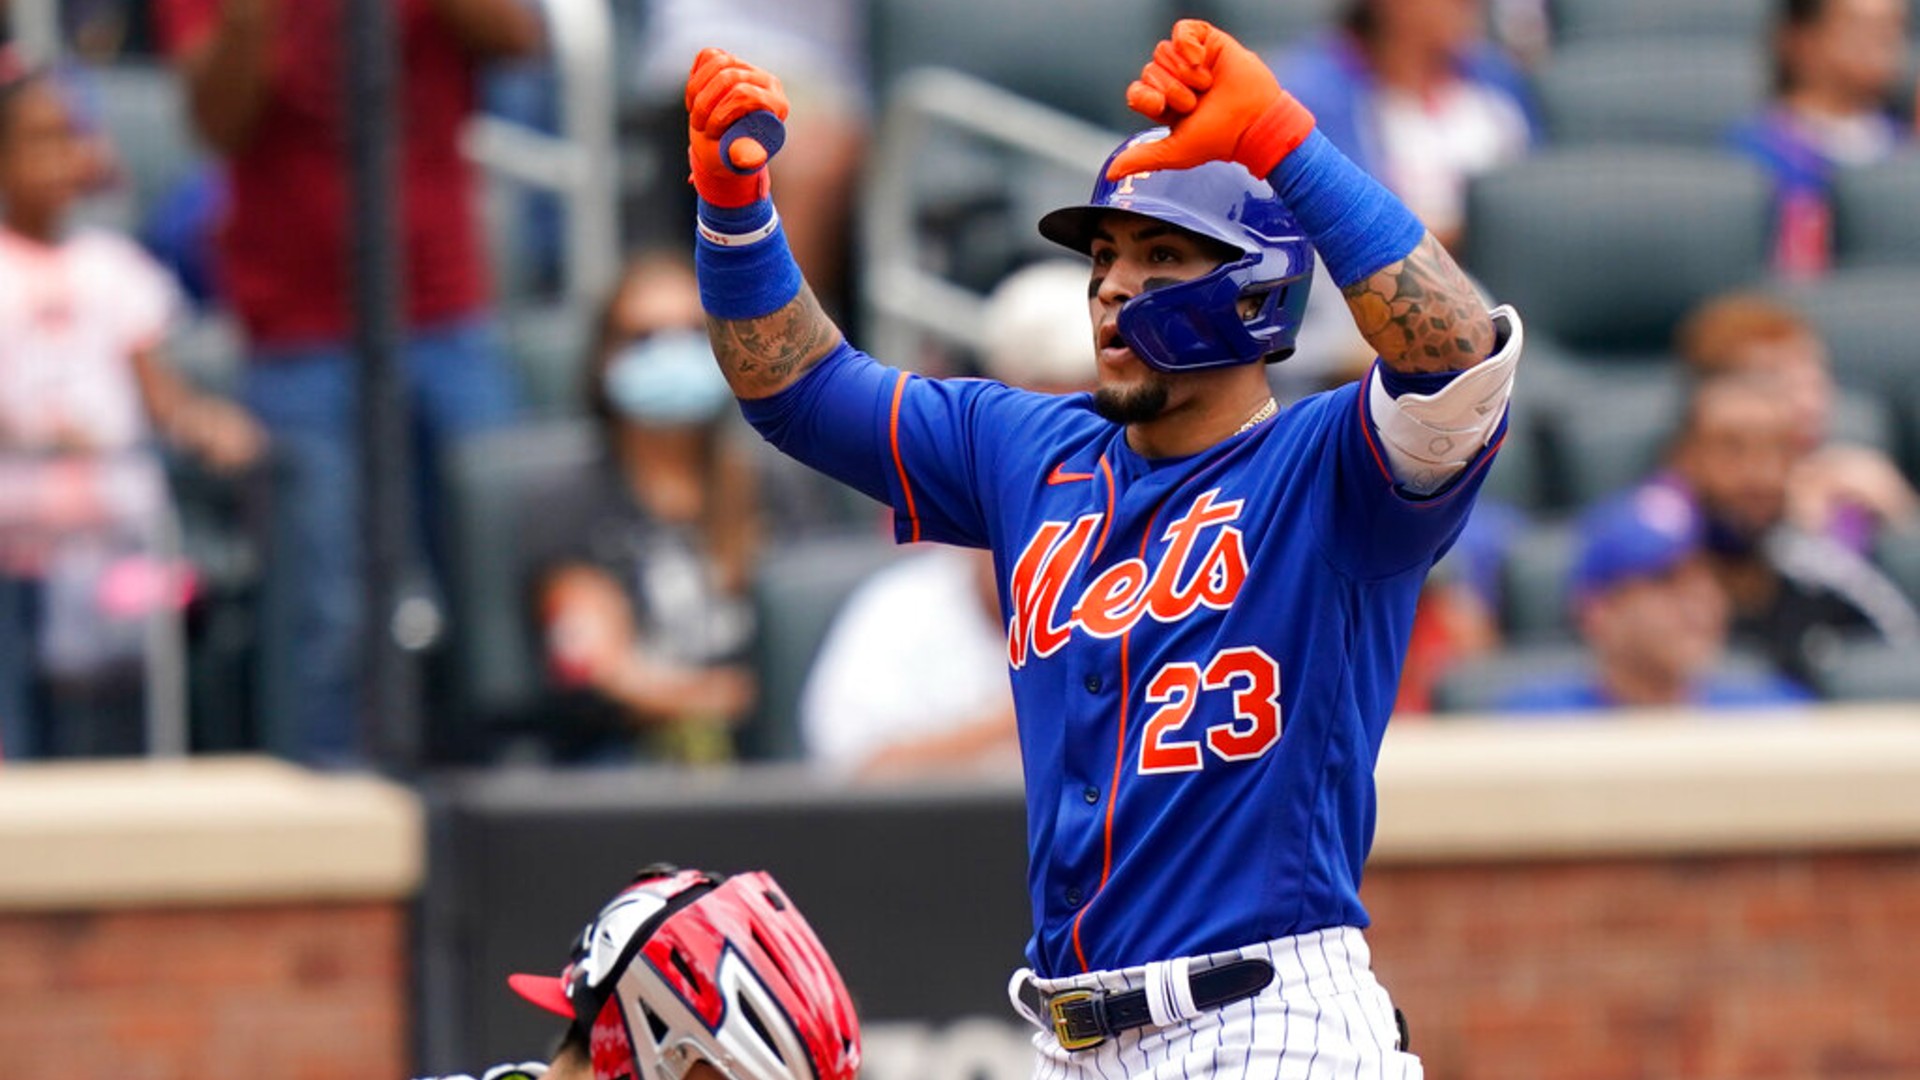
(669, 378)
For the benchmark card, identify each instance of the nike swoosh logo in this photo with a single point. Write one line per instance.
(1060, 475)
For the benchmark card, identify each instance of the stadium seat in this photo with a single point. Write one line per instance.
(1616, 436)
(1868, 671)
(1897, 551)
(1864, 420)
(1650, 90)
(798, 591)
(1075, 55)
(549, 345)
(1605, 248)
(1267, 25)
(1876, 214)
(1583, 20)
(1483, 683)
(142, 109)
(1533, 591)
(494, 482)
(1870, 320)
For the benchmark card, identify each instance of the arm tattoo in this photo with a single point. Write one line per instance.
(1422, 314)
(761, 357)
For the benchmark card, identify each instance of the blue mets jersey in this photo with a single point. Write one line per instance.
(1204, 650)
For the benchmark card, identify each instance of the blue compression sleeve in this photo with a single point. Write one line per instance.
(1355, 223)
(741, 258)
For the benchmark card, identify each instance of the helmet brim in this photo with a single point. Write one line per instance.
(1073, 227)
(545, 991)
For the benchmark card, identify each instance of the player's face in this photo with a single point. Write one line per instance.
(1132, 254)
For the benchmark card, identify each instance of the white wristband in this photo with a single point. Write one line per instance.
(739, 239)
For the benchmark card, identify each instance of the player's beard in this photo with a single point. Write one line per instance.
(1132, 404)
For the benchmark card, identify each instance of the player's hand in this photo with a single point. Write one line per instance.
(1220, 100)
(721, 90)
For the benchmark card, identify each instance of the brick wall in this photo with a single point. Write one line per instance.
(287, 992)
(1796, 966)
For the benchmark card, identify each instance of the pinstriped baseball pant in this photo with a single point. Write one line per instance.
(1324, 1017)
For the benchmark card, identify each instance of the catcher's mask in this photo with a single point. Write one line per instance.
(1199, 324)
(685, 966)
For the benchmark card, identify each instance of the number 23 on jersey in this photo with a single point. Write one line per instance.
(1249, 674)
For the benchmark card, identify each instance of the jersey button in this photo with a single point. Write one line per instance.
(1091, 794)
(1073, 897)
(1093, 684)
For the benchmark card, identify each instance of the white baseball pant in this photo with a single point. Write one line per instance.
(1324, 1017)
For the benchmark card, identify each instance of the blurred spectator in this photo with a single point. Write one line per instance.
(819, 49)
(642, 597)
(1795, 593)
(265, 82)
(1837, 64)
(84, 385)
(1651, 613)
(913, 676)
(1836, 489)
(1414, 92)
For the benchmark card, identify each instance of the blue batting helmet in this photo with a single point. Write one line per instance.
(1199, 324)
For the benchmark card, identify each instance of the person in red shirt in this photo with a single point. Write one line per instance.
(266, 88)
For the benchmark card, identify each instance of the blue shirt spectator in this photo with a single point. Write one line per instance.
(1653, 616)
(1414, 92)
(1837, 64)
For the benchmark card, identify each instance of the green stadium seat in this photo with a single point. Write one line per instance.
(549, 344)
(1583, 20)
(1876, 214)
(1870, 320)
(1616, 437)
(142, 108)
(1869, 671)
(1605, 249)
(1533, 591)
(1267, 25)
(1481, 684)
(798, 591)
(1075, 55)
(1650, 91)
(493, 480)
(1897, 551)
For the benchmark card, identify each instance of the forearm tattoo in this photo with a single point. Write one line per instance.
(763, 356)
(1422, 314)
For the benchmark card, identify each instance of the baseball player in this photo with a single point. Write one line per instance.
(691, 975)
(1207, 596)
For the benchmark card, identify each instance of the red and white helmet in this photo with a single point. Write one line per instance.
(685, 966)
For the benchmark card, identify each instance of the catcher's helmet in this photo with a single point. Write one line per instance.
(685, 966)
(1198, 324)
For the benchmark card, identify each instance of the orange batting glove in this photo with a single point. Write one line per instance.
(721, 89)
(1219, 99)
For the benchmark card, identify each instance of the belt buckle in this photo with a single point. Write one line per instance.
(1063, 1026)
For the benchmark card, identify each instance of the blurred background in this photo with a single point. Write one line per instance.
(385, 572)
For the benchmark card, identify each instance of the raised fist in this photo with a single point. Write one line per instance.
(1220, 102)
(723, 90)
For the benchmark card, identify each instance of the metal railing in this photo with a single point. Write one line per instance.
(904, 302)
(579, 164)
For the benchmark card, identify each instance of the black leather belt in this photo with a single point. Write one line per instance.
(1085, 1018)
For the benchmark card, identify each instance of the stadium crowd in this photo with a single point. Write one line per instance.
(1706, 497)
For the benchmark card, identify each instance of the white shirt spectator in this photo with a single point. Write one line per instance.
(71, 319)
(914, 655)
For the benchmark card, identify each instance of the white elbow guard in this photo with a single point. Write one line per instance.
(1429, 438)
